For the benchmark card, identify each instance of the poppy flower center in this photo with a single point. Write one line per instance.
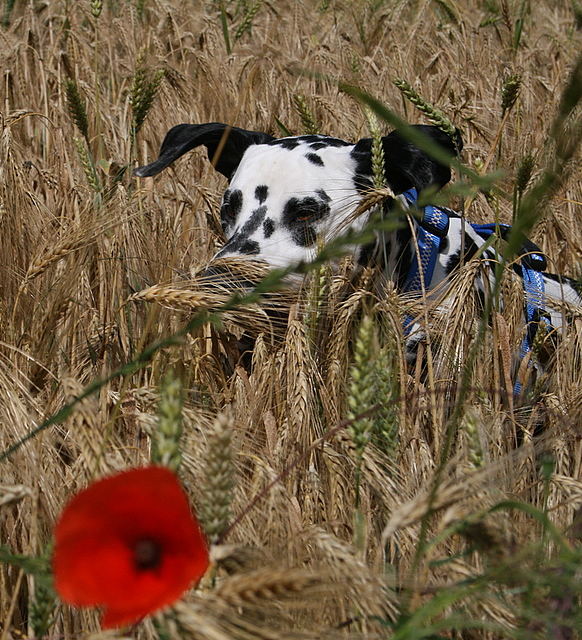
(147, 554)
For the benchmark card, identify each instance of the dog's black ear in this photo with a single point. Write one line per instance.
(184, 137)
(405, 164)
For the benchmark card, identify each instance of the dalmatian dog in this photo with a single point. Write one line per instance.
(287, 195)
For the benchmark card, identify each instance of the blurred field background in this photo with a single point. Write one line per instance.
(438, 514)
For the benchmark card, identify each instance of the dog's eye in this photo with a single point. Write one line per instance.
(305, 210)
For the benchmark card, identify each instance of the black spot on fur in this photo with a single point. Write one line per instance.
(316, 142)
(285, 143)
(261, 193)
(235, 201)
(363, 172)
(250, 247)
(400, 250)
(240, 243)
(363, 183)
(336, 142)
(453, 262)
(367, 254)
(323, 195)
(455, 259)
(315, 159)
(268, 227)
(406, 165)
(256, 219)
(231, 206)
(304, 235)
(326, 140)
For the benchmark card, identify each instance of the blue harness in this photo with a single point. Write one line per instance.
(430, 231)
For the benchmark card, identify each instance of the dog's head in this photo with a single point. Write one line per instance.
(286, 195)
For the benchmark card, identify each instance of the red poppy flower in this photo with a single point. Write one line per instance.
(130, 544)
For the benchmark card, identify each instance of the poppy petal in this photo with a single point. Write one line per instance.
(99, 533)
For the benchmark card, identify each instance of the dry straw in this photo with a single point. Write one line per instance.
(81, 372)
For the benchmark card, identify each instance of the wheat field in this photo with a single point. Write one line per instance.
(346, 494)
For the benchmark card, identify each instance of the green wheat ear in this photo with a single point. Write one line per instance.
(166, 441)
(522, 179)
(308, 120)
(248, 17)
(317, 294)
(469, 424)
(361, 392)
(143, 92)
(44, 602)
(524, 172)
(77, 109)
(88, 165)
(378, 157)
(215, 508)
(96, 8)
(435, 115)
(510, 92)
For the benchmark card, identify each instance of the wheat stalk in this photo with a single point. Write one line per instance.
(13, 493)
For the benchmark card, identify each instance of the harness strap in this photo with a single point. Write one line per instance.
(430, 230)
(533, 284)
(434, 226)
(533, 262)
(532, 256)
